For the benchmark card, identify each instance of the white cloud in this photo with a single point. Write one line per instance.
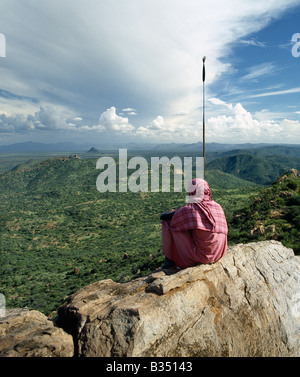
(232, 123)
(109, 120)
(57, 118)
(264, 69)
(48, 118)
(239, 125)
(252, 42)
(171, 130)
(51, 117)
(144, 53)
(96, 128)
(154, 129)
(157, 48)
(157, 124)
(14, 124)
(129, 111)
(217, 101)
(276, 93)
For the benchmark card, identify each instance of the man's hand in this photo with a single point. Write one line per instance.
(167, 215)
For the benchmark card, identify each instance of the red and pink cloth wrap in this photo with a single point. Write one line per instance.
(198, 231)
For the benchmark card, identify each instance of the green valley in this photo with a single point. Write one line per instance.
(58, 233)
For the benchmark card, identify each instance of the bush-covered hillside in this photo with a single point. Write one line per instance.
(58, 233)
(272, 214)
(262, 170)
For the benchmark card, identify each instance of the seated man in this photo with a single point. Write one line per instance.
(197, 232)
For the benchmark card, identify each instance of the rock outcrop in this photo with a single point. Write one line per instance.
(25, 333)
(246, 304)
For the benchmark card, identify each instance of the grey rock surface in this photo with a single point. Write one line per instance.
(25, 333)
(246, 304)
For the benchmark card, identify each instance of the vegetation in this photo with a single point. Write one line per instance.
(272, 214)
(255, 168)
(58, 233)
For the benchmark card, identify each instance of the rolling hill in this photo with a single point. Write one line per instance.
(217, 179)
(58, 233)
(272, 214)
(292, 150)
(258, 169)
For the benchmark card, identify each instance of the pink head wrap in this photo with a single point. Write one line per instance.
(198, 191)
(201, 212)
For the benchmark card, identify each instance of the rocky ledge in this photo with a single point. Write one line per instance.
(25, 333)
(246, 304)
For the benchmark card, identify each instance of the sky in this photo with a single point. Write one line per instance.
(116, 71)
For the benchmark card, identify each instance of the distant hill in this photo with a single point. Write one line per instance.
(93, 150)
(61, 173)
(25, 164)
(273, 214)
(36, 147)
(219, 180)
(262, 150)
(257, 169)
(55, 174)
(209, 147)
(291, 150)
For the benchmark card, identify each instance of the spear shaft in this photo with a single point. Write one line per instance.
(203, 79)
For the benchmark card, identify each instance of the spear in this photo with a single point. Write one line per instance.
(203, 79)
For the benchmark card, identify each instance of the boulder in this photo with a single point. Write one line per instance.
(25, 333)
(246, 304)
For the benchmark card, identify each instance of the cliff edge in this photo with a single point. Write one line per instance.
(246, 304)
